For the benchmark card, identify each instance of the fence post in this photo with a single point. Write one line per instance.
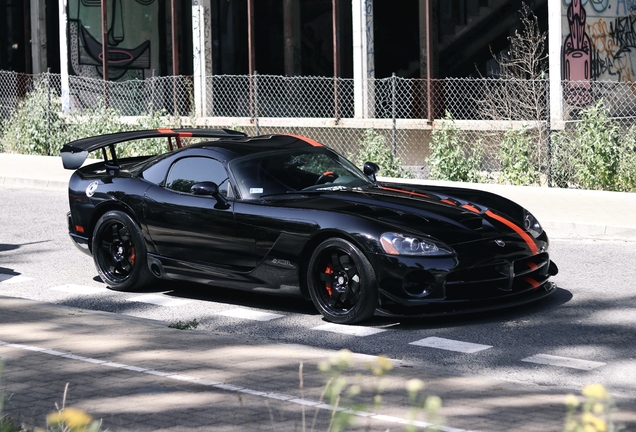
(549, 132)
(393, 131)
(255, 107)
(48, 107)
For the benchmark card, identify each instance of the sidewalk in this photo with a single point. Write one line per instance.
(141, 375)
(562, 212)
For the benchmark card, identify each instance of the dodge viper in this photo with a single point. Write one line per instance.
(284, 213)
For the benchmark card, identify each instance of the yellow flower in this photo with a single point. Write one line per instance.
(343, 358)
(433, 403)
(596, 391)
(597, 423)
(414, 385)
(598, 408)
(71, 417)
(380, 366)
(572, 401)
(54, 418)
(384, 363)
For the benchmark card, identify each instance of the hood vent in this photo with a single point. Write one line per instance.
(473, 222)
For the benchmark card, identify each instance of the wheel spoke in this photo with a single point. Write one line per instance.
(105, 245)
(335, 261)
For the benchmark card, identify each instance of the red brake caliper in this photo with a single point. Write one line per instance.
(132, 255)
(329, 270)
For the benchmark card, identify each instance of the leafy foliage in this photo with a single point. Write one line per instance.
(374, 148)
(516, 154)
(597, 153)
(34, 126)
(37, 127)
(452, 158)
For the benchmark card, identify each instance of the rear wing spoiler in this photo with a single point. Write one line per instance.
(75, 153)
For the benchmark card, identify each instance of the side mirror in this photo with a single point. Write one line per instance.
(210, 189)
(370, 170)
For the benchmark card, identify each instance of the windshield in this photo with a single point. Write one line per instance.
(293, 171)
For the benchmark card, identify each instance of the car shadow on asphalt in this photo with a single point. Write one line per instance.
(296, 304)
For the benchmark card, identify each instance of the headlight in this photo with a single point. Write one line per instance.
(402, 244)
(531, 224)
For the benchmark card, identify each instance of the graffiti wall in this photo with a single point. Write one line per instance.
(133, 38)
(599, 40)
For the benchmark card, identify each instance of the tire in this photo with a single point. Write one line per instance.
(341, 282)
(119, 252)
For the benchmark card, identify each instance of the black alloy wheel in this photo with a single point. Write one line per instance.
(119, 252)
(341, 282)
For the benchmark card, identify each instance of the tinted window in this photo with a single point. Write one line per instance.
(292, 171)
(188, 171)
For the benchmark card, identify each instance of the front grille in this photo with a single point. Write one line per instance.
(498, 279)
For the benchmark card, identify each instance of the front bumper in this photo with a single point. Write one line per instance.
(484, 275)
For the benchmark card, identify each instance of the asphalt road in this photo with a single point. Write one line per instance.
(585, 331)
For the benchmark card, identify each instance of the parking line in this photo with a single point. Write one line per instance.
(450, 345)
(7, 278)
(250, 314)
(349, 329)
(80, 289)
(159, 300)
(568, 362)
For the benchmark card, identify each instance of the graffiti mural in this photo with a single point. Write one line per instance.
(599, 40)
(133, 38)
(577, 56)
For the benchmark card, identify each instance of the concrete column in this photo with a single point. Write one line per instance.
(202, 54)
(38, 36)
(291, 13)
(63, 15)
(555, 40)
(363, 58)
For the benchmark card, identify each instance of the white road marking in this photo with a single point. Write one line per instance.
(234, 388)
(159, 300)
(7, 278)
(250, 314)
(568, 362)
(349, 329)
(80, 289)
(450, 345)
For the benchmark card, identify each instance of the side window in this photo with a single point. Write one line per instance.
(190, 170)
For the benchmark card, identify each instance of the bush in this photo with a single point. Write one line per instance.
(599, 149)
(37, 127)
(452, 158)
(34, 127)
(374, 148)
(596, 154)
(518, 166)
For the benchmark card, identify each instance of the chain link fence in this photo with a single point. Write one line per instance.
(487, 130)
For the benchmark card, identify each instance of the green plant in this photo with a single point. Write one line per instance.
(596, 154)
(599, 149)
(340, 390)
(185, 325)
(593, 414)
(516, 155)
(374, 148)
(34, 126)
(452, 158)
(562, 160)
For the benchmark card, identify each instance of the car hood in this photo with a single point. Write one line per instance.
(449, 219)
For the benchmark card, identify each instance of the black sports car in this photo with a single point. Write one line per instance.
(285, 213)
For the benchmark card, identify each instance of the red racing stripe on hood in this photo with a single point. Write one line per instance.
(524, 235)
(404, 191)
